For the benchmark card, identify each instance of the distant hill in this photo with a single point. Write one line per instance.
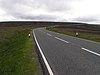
(36, 23)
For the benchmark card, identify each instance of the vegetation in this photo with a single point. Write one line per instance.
(17, 56)
(83, 33)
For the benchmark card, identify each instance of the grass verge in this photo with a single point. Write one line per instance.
(17, 56)
(82, 34)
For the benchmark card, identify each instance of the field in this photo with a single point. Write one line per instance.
(89, 32)
(17, 51)
(17, 54)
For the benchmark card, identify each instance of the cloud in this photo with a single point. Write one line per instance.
(37, 17)
(51, 5)
(53, 10)
(95, 19)
(4, 16)
(32, 9)
(86, 19)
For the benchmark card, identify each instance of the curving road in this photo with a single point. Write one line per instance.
(66, 55)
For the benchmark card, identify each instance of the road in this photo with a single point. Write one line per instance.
(66, 55)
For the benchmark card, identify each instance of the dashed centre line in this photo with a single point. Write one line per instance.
(61, 40)
(49, 34)
(90, 51)
(81, 48)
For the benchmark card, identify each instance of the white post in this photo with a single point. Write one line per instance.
(76, 34)
(29, 35)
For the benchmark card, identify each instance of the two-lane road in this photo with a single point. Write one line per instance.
(66, 55)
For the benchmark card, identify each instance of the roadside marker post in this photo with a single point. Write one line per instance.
(29, 35)
(76, 34)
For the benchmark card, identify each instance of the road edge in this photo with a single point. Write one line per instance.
(42, 55)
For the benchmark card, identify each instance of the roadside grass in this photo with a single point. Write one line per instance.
(17, 55)
(82, 34)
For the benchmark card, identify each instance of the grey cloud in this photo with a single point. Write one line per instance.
(20, 9)
(15, 7)
(55, 5)
(38, 17)
(45, 17)
(50, 5)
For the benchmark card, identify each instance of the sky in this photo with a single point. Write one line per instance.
(50, 10)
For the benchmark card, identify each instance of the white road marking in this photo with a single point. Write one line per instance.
(49, 34)
(91, 51)
(75, 37)
(44, 58)
(81, 48)
(61, 40)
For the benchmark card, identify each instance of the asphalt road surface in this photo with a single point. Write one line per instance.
(66, 55)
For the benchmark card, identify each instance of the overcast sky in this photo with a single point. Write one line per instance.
(50, 10)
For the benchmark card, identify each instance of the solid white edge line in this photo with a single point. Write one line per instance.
(44, 58)
(61, 40)
(91, 51)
